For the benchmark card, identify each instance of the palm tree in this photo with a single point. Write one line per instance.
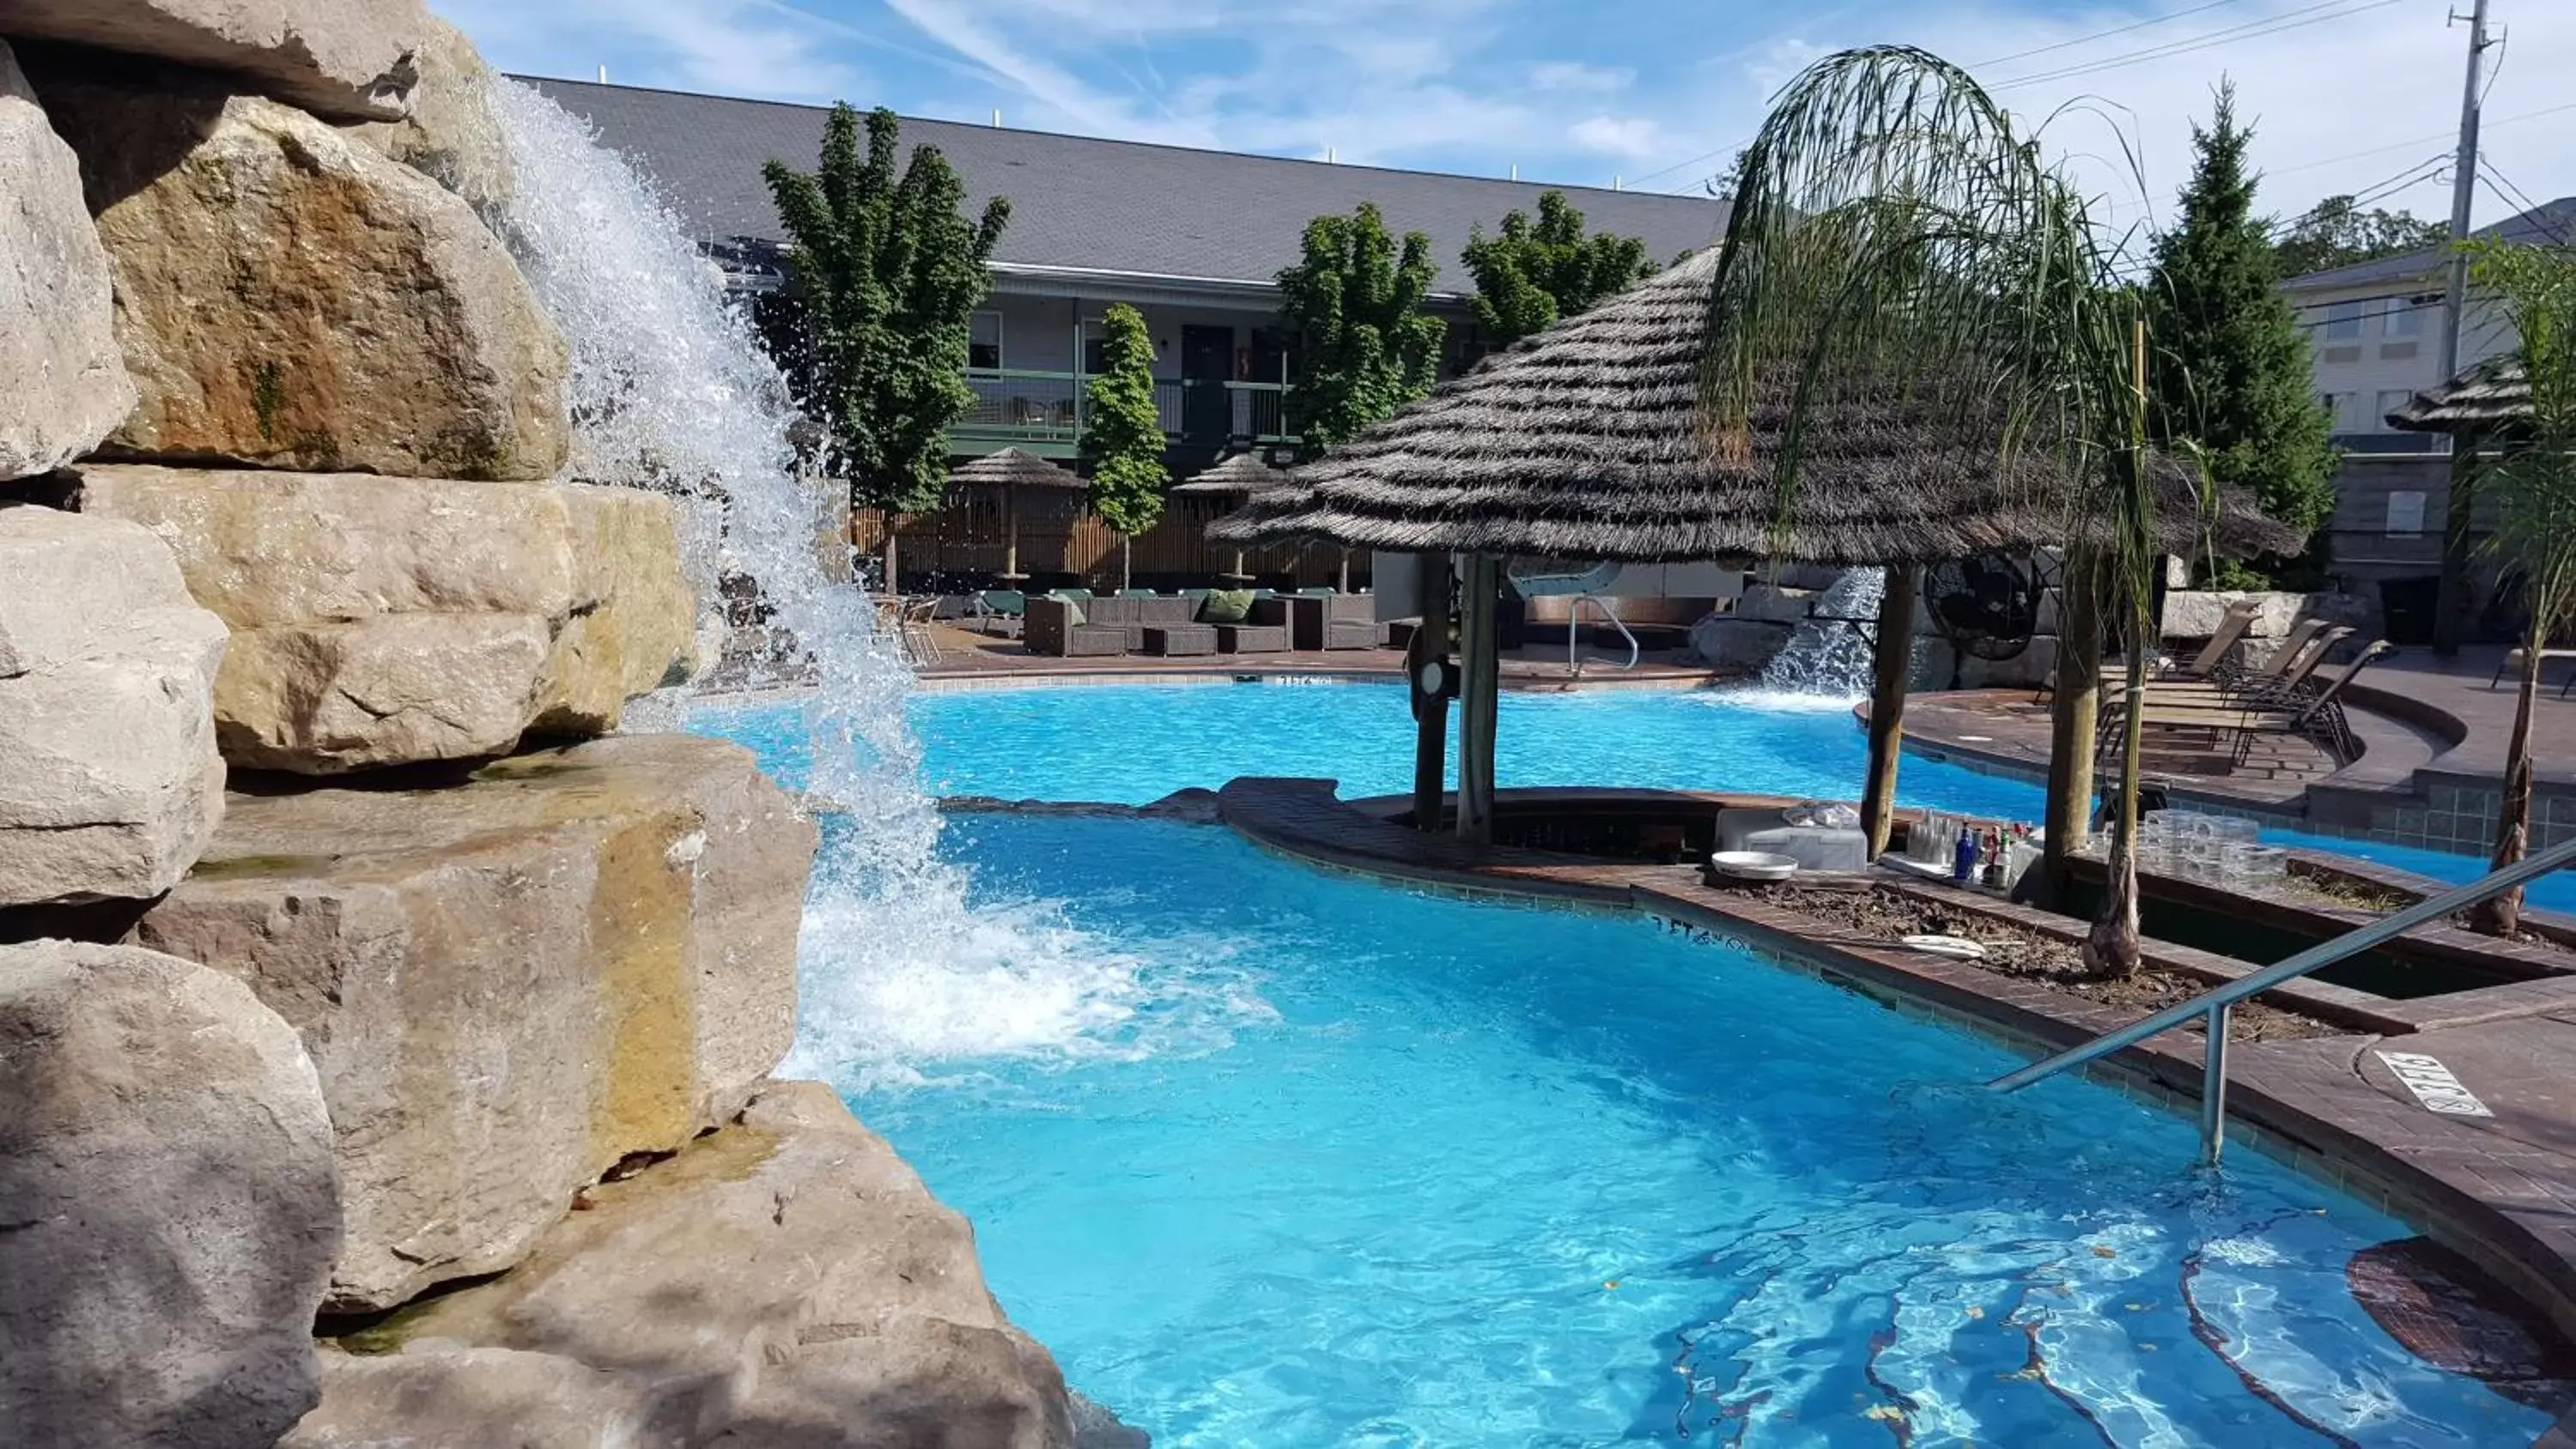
(2532, 477)
(1897, 243)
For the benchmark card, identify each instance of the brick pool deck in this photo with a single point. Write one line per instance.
(2498, 1190)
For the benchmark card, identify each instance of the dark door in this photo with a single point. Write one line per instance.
(1207, 361)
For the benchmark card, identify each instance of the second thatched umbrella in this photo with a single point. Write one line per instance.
(1012, 470)
(1238, 476)
(1590, 442)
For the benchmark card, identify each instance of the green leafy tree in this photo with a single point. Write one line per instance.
(1528, 276)
(1122, 439)
(2531, 474)
(1353, 303)
(2237, 381)
(887, 273)
(2336, 232)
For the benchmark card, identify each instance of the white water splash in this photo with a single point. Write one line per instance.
(671, 391)
(1828, 655)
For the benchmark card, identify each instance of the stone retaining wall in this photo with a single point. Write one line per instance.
(310, 667)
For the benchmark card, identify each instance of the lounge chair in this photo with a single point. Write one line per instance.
(1008, 605)
(2278, 677)
(2213, 656)
(2315, 713)
(2512, 662)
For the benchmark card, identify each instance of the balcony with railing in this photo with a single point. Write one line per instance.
(1045, 412)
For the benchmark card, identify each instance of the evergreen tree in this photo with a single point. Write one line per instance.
(1529, 276)
(887, 274)
(1122, 439)
(2236, 379)
(2336, 232)
(1353, 303)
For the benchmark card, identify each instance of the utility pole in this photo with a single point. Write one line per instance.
(2454, 604)
(2464, 185)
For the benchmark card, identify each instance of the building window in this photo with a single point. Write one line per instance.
(2405, 513)
(984, 341)
(1095, 345)
(2343, 321)
(2339, 409)
(2405, 319)
(2389, 402)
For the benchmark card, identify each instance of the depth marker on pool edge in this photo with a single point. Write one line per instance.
(2433, 1084)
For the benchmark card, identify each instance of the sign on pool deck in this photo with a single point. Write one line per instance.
(2433, 1085)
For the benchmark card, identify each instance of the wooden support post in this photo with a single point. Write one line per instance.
(2455, 603)
(1010, 533)
(1892, 661)
(1480, 686)
(1430, 711)
(2074, 717)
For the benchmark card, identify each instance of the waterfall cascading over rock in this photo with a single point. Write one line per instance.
(670, 390)
(1828, 654)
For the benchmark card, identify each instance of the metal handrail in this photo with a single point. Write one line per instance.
(1574, 620)
(2214, 1003)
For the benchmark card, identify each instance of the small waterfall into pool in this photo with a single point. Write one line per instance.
(1826, 657)
(670, 391)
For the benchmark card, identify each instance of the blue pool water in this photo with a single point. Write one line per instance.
(1271, 1157)
(1134, 744)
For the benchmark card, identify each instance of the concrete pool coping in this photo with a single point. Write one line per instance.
(2319, 1105)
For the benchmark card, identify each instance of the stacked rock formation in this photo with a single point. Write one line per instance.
(281, 509)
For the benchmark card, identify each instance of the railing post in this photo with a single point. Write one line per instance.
(2213, 1087)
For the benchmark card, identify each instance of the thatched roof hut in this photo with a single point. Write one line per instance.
(1588, 441)
(1238, 475)
(2488, 397)
(1012, 468)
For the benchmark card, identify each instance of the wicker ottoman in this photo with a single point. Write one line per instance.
(1251, 638)
(1178, 639)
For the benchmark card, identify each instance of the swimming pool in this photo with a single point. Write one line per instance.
(1322, 1162)
(1134, 744)
(1279, 1158)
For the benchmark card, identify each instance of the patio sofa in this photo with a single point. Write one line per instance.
(1159, 625)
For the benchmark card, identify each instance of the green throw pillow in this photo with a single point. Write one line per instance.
(1226, 606)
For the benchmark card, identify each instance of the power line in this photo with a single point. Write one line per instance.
(2104, 34)
(2501, 184)
(2209, 40)
(2416, 141)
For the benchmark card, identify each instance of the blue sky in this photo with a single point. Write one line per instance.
(2350, 94)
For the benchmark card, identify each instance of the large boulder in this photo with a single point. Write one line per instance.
(385, 621)
(287, 296)
(67, 386)
(453, 134)
(109, 780)
(786, 1282)
(166, 1182)
(350, 59)
(512, 983)
(1723, 641)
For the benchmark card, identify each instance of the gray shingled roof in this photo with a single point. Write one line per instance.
(2553, 222)
(1116, 206)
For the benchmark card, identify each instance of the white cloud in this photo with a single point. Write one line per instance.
(731, 47)
(1566, 75)
(1629, 136)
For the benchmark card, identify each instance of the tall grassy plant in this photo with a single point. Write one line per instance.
(1901, 257)
(2532, 477)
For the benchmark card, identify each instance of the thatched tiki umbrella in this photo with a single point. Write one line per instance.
(1237, 476)
(1012, 470)
(1588, 443)
(2483, 402)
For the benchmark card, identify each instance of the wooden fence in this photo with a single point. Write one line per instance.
(1063, 544)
